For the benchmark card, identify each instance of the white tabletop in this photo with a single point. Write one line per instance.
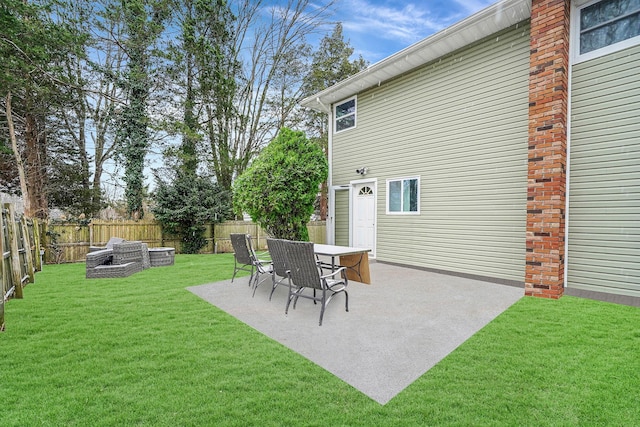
(333, 250)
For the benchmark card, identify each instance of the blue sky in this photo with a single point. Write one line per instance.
(379, 28)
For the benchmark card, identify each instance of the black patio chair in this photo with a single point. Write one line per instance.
(241, 255)
(304, 272)
(278, 260)
(262, 266)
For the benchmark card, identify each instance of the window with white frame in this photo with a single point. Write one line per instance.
(605, 26)
(344, 115)
(403, 196)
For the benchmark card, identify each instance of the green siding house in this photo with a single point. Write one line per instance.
(505, 147)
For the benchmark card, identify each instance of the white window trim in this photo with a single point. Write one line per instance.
(578, 5)
(355, 115)
(389, 180)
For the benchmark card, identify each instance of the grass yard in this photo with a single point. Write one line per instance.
(143, 350)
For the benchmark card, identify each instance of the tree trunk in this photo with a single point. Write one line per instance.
(14, 146)
(36, 167)
(96, 190)
(324, 205)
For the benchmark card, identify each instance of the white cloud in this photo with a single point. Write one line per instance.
(378, 28)
(402, 21)
(472, 6)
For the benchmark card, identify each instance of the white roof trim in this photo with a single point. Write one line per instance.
(488, 21)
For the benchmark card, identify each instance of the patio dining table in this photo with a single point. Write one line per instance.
(356, 260)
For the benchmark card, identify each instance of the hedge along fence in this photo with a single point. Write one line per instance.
(70, 242)
(20, 244)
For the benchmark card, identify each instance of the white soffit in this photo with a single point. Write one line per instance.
(490, 20)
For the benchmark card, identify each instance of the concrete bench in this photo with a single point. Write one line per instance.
(159, 257)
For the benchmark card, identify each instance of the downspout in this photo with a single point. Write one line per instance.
(572, 42)
(330, 229)
(324, 107)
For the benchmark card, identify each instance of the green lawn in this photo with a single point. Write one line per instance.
(144, 351)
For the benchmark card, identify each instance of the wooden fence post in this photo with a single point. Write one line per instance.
(26, 244)
(45, 240)
(36, 244)
(4, 279)
(16, 270)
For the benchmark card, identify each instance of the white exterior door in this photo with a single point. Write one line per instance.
(364, 216)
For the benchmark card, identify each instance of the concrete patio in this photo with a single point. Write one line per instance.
(396, 329)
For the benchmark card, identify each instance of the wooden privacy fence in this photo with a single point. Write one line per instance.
(20, 244)
(222, 240)
(70, 242)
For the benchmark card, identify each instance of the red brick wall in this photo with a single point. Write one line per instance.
(546, 195)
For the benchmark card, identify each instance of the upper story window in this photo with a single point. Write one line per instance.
(345, 115)
(403, 196)
(605, 26)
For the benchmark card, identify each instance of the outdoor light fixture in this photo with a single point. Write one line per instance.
(362, 171)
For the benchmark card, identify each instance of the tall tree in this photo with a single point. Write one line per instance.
(31, 45)
(219, 65)
(241, 65)
(143, 23)
(287, 89)
(207, 66)
(245, 113)
(88, 121)
(331, 64)
(191, 126)
(203, 75)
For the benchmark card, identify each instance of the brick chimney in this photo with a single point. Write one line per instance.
(547, 160)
